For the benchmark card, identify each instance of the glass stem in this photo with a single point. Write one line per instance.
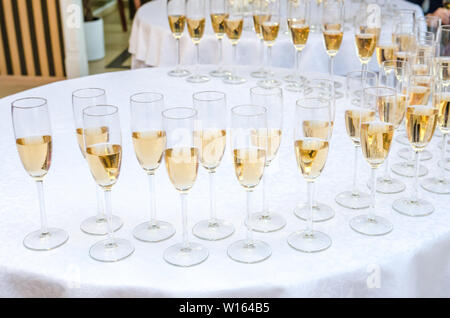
(183, 197)
(269, 60)
(212, 199)
(40, 189)
(331, 67)
(373, 186)
(261, 55)
(441, 177)
(387, 175)
(234, 61)
(249, 238)
(197, 48)
(265, 212)
(100, 208)
(355, 191)
(151, 182)
(178, 53)
(309, 224)
(297, 62)
(108, 211)
(415, 193)
(220, 55)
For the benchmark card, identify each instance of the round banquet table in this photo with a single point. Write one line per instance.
(413, 260)
(152, 44)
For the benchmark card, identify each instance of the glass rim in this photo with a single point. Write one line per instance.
(196, 96)
(322, 80)
(158, 97)
(445, 26)
(115, 110)
(101, 90)
(41, 99)
(265, 91)
(263, 110)
(385, 88)
(349, 74)
(165, 113)
(298, 102)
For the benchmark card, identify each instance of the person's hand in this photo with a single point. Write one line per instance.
(442, 13)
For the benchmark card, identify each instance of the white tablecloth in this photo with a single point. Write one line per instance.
(413, 260)
(152, 43)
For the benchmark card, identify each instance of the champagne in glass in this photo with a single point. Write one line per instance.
(176, 15)
(149, 141)
(210, 136)
(82, 98)
(218, 14)
(260, 15)
(32, 131)
(367, 31)
(181, 157)
(104, 160)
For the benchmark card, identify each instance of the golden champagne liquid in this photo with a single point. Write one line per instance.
(196, 28)
(299, 33)
(93, 136)
(182, 167)
(176, 23)
(233, 29)
(353, 119)
(333, 40)
(149, 147)
(419, 69)
(211, 144)
(391, 109)
(405, 42)
(365, 46)
(374, 31)
(311, 155)
(384, 53)
(418, 95)
(104, 160)
(376, 139)
(249, 166)
(270, 32)
(420, 125)
(317, 129)
(36, 154)
(258, 20)
(424, 51)
(218, 23)
(272, 140)
(332, 27)
(444, 113)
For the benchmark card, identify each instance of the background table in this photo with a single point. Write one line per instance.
(413, 260)
(152, 43)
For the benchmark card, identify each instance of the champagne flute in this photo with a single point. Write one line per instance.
(260, 15)
(218, 14)
(332, 29)
(313, 117)
(195, 18)
(149, 141)
(104, 158)
(272, 100)
(181, 157)
(176, 14)
(420, 125)
(356, 82)
(249, 162)
(430, 23)
(269, 30)
(385, 49)
(82, 98)
(234, 22)
(376, 139)
(443, 40)
(298, 15)
(210, 137)
(32, 131)
(365, 39)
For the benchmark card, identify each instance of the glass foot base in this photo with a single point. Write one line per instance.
(309, 243)
(403, 139)
(155, 231)
(294, 87)
(235, 80)
(37, 241)
(99, 226)
(388, 186)
(213, 230)
(243, 252)
(446, 164)
(440, 146)
(263, 223)
(295, 78)
(180, 256)
(105, 251)
(436, 186)
(413, 208)
(374, 226)
(259, 74)
(321, 212)
(179, 73)
(220, 73)
(407, 170)
(407, 154)
(198, 78)
(269, 83)
(350, 200)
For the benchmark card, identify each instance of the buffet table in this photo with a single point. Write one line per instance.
(413, 260)
(152, 44)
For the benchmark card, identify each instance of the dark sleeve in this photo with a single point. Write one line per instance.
(434, 5)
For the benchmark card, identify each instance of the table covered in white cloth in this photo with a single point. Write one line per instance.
(413, 260)
(152, 44)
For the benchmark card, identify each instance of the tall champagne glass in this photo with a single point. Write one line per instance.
(260, 15)
(149, 141)
(196, 20)
(269, 31)
(385, 49)
(104, 158)
(176, 14)
(312, 118)
(249, 162)
(82, 98)
(272, 100)
(420, 125)
(211, 137)
(443, 40)
(298, 18)
(356, 82)
(234, 23)
(218, 14)
(428, 23)
(366, 37)
(181, 157)
(33, 134)
(376, 139)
